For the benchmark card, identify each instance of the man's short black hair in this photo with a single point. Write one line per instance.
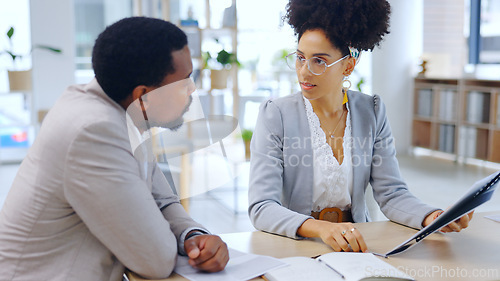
(135, 51)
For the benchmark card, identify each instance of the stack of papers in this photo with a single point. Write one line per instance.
(241, 266)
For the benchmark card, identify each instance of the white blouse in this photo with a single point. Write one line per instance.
(332, 184)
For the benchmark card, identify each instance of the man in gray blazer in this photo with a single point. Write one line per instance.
(81, 206)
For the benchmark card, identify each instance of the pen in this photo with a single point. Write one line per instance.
(336, 271)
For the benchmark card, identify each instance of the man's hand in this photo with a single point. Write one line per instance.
(454, 226)
(207, 252)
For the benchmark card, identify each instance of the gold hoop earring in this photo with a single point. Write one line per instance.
(345, 87)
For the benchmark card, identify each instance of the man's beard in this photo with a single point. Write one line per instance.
(177, 123)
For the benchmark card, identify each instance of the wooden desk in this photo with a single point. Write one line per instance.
(473, 254)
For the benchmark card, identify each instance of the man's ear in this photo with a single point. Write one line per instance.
(139, 91)
(136, 93)
(349, 67)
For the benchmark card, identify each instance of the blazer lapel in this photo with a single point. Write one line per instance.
(361, 154)
(298, 154)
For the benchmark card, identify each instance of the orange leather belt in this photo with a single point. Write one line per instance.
(333, 215)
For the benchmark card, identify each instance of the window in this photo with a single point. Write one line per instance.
(91, 17)
(484, 39)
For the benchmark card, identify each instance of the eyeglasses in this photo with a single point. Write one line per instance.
(316, 65)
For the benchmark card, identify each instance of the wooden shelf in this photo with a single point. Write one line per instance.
(422, 118)
(476, 125)
(495, 150)
(444, 122)
(422, 133)
(436, 81)
(458, 116)
(227, 37)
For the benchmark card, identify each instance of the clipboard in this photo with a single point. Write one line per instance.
(479, 193)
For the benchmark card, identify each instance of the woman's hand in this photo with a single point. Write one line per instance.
(455, 226)
(340, 236)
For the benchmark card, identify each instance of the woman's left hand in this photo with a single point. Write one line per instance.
(455, 226)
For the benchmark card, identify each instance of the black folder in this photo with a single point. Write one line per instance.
(479, 193)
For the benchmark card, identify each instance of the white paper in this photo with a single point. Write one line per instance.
(494, 217)
(337, 266)
(356, 266)
(241, 266)
(303, 268)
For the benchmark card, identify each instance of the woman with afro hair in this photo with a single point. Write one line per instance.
(314, 152)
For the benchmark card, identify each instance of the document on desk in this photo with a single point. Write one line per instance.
(241, 266)
(479, 193)
(341, 266)
(493, 217)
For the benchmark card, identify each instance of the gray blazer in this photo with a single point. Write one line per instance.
(281, 169)
(78, 208)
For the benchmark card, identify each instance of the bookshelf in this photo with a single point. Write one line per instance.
(219, 31)
(460, 117)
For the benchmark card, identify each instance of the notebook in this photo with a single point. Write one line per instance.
(345, 266)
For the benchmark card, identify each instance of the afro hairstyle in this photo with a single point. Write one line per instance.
(347, 23)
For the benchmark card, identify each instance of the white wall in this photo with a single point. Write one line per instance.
(444, 44)
(52, 23)
(395, 64)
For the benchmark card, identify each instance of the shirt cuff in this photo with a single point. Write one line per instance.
(182, 238)
(427, 214)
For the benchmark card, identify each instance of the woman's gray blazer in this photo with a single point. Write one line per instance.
(281, 169)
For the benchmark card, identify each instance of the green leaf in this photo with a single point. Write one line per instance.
(12, 55)
(224, 58)
(360, 83)
(10, 32)
(48, 48)
(247, 134)
(205, 57)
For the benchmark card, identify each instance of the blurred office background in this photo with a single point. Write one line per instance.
(443, 146)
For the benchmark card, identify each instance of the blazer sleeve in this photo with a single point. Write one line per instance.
(266, 185)
(103, 185)
(180, 222)
(390, 190)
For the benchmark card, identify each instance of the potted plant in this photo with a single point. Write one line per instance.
(246, 135)
(21, 80)
(219, 67)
